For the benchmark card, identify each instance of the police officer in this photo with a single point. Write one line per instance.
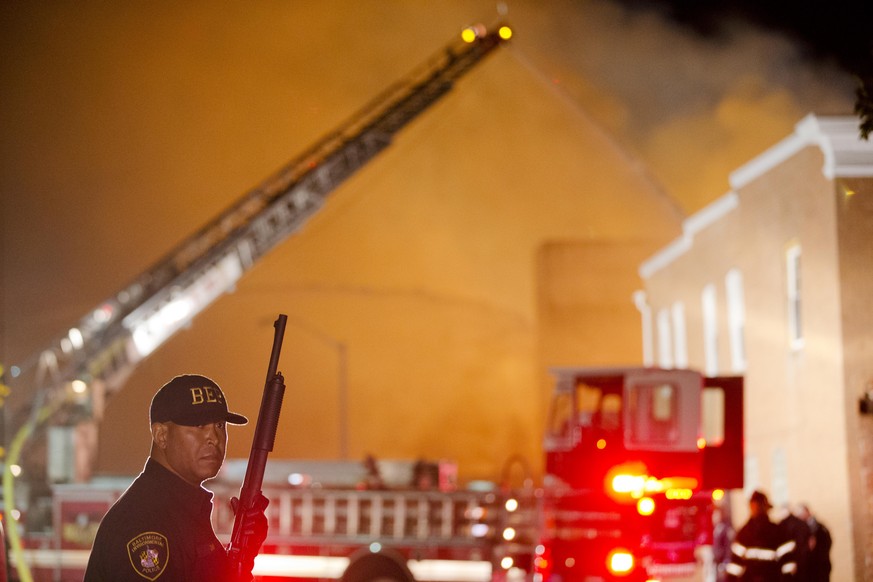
(160, 528)
(760, 551)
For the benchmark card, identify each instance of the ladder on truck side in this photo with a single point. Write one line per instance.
(460, 534)
(93, 358)
(349, 517)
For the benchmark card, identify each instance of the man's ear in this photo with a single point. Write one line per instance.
(159, 434)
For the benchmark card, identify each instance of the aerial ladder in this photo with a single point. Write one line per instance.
(110, 340)
(70, 379)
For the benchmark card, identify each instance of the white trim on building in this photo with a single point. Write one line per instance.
(837, 137)
(736, 305)
(642, 304)
(709, 308)
(845, 154)
(690, 227)
(665, 341)
(680, 334)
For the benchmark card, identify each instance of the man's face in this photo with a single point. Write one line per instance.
(195, 453)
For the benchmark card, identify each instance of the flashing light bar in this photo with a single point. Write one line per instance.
(628, 483)
(636, 485)
(679, 493)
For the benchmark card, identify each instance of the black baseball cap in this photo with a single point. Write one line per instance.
(192, 400)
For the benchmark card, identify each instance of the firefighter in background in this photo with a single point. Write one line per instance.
(372, 478)
(819, 546)
(761, 552)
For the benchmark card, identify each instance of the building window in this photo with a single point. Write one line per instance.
(710, 330)
(793, 296)
(736, 319)
(680, 339)
(665, 343)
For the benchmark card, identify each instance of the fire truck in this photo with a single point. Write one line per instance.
(630, 459)
(635, 458)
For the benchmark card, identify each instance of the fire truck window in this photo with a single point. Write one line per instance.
(712, 406)
(562, 414)
(587, 400)
(652, 411)
(662, 403)
(610, 412)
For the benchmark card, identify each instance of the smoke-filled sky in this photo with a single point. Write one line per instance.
(128, 125)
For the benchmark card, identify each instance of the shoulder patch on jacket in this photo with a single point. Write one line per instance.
(149, 554)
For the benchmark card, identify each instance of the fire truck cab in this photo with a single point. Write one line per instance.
(633, 459)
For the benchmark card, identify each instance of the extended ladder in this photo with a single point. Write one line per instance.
(96, 355)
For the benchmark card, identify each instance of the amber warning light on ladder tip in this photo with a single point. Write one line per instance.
(471, 33)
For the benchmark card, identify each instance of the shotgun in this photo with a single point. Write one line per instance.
(262, 444)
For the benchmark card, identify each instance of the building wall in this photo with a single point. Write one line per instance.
(854, 210)
(802, 425)
(798, 432)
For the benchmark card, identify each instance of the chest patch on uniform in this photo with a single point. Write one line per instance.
(149, 554)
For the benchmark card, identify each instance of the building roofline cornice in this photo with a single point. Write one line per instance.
(690, 227)
(845, 155)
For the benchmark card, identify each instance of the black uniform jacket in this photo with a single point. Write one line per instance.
(158, 530)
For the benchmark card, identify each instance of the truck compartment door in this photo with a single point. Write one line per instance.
(722, 425)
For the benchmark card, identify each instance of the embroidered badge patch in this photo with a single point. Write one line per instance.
(149, 554)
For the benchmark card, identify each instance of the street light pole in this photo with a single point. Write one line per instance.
(342, 380)
(342, 401)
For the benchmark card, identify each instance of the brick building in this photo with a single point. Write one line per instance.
(774, 281)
